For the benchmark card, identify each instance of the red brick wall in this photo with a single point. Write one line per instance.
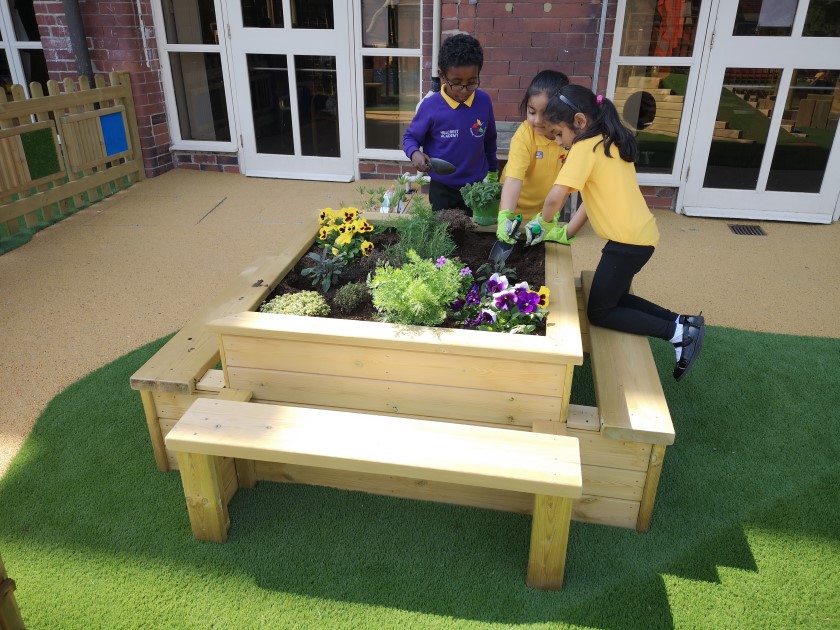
(119, 39)
(199, 161)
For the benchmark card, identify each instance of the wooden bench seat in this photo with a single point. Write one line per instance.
(631, 402)
(546, 465)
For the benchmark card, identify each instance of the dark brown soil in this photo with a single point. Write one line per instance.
(473, 249)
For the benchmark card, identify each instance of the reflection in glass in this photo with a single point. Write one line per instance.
(34, 67)
(23, 19)
(262, 13)
(765, 18)
(271, 107)
(746, 104)
(200, 96)
(392, 90)
(661, 29)
(317, 105)
(650, 101)
(822, 19)
(386, 24)
(5, 74)
(807, 133)
(313, 14)
(191, 22)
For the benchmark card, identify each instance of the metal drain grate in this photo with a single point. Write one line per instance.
(746, 230)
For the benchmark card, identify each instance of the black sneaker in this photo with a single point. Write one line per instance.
(691, 346)
(693, 320)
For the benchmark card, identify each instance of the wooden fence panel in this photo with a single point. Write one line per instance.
(62, 151)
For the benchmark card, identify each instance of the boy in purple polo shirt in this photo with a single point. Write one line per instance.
(456, 124)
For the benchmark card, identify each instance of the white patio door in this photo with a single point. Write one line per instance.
(292, 71)
(764, 143)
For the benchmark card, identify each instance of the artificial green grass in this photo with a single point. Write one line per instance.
(745, 532)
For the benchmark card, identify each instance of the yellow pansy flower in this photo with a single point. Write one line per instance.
(362, 226)
(350, 214)
(344, 239)
(543, 293)
(326, 215)
(367, 248)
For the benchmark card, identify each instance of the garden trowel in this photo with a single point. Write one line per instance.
(441, 167)
(502, 250)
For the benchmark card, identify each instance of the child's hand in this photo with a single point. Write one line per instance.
(505, 223)
(536, 229)
(421, 161)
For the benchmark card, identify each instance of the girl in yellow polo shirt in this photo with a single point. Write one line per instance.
(600, 165)
(534, 158)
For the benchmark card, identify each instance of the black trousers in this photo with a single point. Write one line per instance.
(442, 197)
(610, 303)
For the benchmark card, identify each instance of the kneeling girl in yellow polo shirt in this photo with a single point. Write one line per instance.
(534, 158)
(600, 165)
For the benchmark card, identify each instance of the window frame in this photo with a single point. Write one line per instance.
(690, 103)
(170, 102)
(363, 152)
(11, 47)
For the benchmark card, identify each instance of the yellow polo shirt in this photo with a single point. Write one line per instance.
(614, 204)
(535, 160)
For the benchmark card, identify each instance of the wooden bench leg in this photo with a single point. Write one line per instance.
(246, 473)
(549, 540)
(206, 504)
(657, 456)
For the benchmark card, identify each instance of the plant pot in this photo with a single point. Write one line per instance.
(486, 214)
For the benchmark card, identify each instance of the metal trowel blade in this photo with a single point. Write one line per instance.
(441, 167)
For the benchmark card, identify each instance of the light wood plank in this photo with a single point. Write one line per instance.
(203, 491)
(549, 540)
(657, 457)
(10, 617)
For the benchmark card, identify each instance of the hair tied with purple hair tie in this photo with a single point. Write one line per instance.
(599, 99)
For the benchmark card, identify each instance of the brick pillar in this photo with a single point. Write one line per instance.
(120, 38)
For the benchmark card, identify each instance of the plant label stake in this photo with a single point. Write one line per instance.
(502, 250)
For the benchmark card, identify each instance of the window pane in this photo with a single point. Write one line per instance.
(807, 134)
(200, 96)
(650, 101)
(191, 22)
(822, 19)
(23, 18)
(268, 77)
(262, 14)
(765, 17)
(5, 74)
(34, 67)
(391, 25)
(312, 14)
(317, 105)
(746, 104)
(661, 29)
(392, 91)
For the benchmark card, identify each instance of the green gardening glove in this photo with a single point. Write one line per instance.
(505, 223)
(537, 228)
(492, 176)
(558, 235)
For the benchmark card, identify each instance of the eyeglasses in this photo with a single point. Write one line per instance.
(472, 85)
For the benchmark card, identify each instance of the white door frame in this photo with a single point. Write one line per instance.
(722, 50)
(338, 43)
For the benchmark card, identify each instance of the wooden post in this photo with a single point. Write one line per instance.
(246, 472)
(203, 491)
(158, 446)
(124, 79)
(549, 540)
(657, 456)
(10, 618)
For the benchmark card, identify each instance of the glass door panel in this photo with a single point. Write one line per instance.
(268, 77)
(392, 91)
(765, 17)
(317, 105)
(822, 19)
(741, 127)
(808, 129)
(265, 14)
(314, 14)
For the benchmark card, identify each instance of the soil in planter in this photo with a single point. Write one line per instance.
(472, 248)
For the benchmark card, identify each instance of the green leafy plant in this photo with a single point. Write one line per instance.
(498, 267)
(326, 269)
(420, 292)
(309, 303)
(371, 198)
(350, 297)
(483, 199)
(423, 232)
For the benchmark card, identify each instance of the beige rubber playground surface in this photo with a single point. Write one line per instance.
(139, 265)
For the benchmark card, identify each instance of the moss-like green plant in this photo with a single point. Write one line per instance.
(420, 292)
(309, 303)
(350, 297)
(422, 231)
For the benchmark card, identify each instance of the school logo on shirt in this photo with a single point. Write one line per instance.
(449, 133)
(562, 158)
(478, 128)
(538, 155)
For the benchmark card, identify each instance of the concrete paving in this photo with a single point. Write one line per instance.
(138, 265)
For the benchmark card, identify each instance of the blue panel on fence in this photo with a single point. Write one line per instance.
(113, 130)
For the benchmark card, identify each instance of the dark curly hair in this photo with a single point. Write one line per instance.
(459, 51)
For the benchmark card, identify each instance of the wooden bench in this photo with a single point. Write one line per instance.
(10, 618)
(548, 466)
(631, 403)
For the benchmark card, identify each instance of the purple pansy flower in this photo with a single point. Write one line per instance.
(504, 300)
(528, 301)
(458, 304)
(496, 283)
(474, 296)
(440, 262)
(486, 317)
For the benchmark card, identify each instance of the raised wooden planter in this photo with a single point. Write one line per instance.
(516, 382)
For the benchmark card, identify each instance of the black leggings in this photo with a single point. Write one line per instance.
(442, 197)
(610, 303)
